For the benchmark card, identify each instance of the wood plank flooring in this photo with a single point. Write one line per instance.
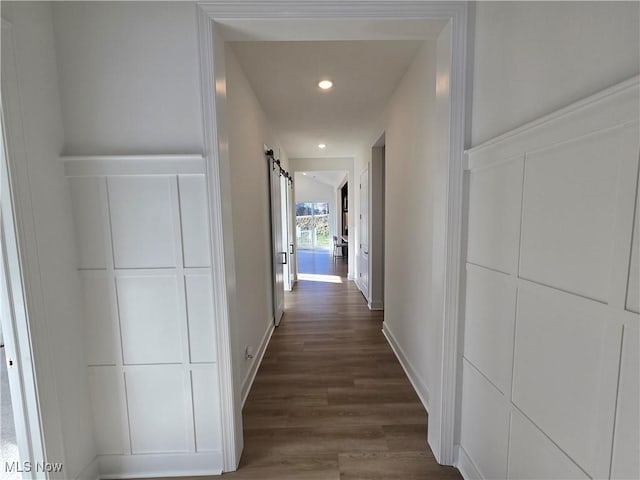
(330, 400)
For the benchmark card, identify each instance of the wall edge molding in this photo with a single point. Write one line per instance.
(542, 133)
(160, 164)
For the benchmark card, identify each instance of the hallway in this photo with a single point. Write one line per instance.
(330, 400)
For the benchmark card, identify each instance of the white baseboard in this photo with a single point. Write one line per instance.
(412, 373)
(90, 472)
(257, 360)
(160, 465)
(467, 468)
(376, 306)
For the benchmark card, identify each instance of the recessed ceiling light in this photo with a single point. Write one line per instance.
(322, 145)
(304, 173)
(325, 84)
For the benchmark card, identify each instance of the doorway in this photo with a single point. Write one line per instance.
(247, 25)
(20, 434)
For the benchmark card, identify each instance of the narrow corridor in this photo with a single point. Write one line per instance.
(330, 400)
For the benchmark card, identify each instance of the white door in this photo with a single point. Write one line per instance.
(286, 240)
(363, 247)
(279, 252)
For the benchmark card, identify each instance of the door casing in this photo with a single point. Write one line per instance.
(212, 17)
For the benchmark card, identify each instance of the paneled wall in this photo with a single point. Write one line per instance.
(144, 258)
(551, 367)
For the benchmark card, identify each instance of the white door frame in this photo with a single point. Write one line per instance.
(213, 84)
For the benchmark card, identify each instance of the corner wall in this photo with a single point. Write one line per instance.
(45, 225)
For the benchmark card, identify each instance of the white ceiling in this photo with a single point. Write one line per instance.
(332, 178)
(285, 75)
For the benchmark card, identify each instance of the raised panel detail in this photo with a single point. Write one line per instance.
(105, 384)
(87, 194)
(494, 216)
(569, 211)
(195, 221)
(150, 319)
(485, 424)
(157, 409)
(532, 456)
(100, 319)
(626, 445)
(206, 408)
(202, 336)
(489, 322)
(565, 372)
(142, 221)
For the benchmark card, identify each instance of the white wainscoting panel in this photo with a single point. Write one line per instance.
(106, 385)
(158, 409)
(143, 231)
(532, 456)
(485, 424)
(150, 319)
(142, 221)
(202, 335)
(101, 346)
(626, 445)
(206, 405)
(570, 209)
(565, 372)
(489, 323)
(552, 224)
(88, 197)
(494, 215)
(195, 221)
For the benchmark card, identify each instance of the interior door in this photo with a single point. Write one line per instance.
(363, 247)
(286, 241)
(279, 250)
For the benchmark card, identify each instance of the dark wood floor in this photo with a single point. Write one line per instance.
(330, 400)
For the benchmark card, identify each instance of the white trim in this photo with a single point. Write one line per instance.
(409, 369)
(467, 468)
(257, 361)
(589, 115)
(160, 465)
(375, 306)
(460, 25)
(103, 165)
(212, 72)
(257, 9)
(222, 255)
(37, 369)
(91, 471)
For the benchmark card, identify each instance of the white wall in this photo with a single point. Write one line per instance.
(129, 77)
(532, 58)
(411, 164)
(34, 124)
(248, 133)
